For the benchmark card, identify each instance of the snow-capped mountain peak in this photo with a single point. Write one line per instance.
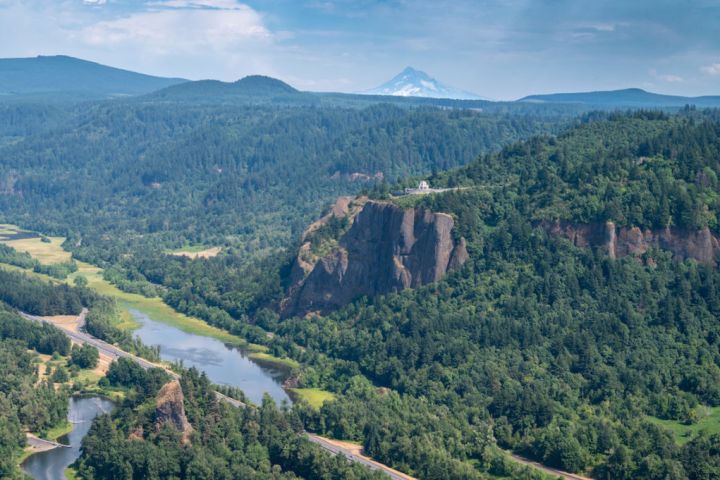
(415, 83)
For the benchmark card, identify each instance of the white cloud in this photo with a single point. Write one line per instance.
(603, 27)
(712, 69)
(211, 4)
(184, 28)
(94, 2)
(671, 78)
(667, 77)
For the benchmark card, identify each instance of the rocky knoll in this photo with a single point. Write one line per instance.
(700, 245)
(387, 249)
(170, 409)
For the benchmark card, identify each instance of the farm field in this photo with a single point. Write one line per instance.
(196, 252)
(52, 252)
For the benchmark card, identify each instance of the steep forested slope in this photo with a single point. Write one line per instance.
(198, 173)
(554, 350)
(26, 402)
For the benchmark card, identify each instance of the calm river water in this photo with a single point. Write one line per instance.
(223, 365)
(51, 465)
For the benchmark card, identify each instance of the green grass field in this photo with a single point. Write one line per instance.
(153, 307)
(313, 396)
(45, 253)
(261, 356)
(70, 474)
(196, 251)
(58, 431)
(707, 425)
(6, 229)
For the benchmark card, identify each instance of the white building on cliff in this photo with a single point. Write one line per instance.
(424, 188)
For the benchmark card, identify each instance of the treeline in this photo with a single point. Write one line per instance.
(657, 171)
(227, 443)
(11, 256)
(100, 322)
(26, 404)
(124, 177)
(37, 297)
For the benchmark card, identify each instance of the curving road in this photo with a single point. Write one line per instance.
(547, 470)
(115, 353)
(351, 455)
(103, 347)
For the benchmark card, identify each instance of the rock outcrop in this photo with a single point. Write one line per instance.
(387, 249)
(171, 409)
(700, 245)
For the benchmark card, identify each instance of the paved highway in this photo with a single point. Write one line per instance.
(354, 457)
(115, 353)
(548, 470)
(103, 347)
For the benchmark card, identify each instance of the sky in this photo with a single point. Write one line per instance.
(501, 49)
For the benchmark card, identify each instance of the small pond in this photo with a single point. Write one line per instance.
(51, 465)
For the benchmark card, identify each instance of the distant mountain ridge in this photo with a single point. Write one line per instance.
(416, 83)
(71, 76)
(629, 97)
(252, 85)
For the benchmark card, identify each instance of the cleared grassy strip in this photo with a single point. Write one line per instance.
(313, 396)
(707, 425)
(58, 431)
(71, 474)
(46, 253)
(263, 357)
(41, 276)
(153, 307)
(197, 251)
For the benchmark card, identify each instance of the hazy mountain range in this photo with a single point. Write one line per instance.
(63, 77)
(630, 97)
(68, 75)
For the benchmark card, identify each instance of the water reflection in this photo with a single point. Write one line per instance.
(51, 465)
(223, 365)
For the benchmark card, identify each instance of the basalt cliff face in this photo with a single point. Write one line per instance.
(387, 249)
(170, 409)
(700, 245)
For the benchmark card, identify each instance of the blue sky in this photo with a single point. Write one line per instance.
(498, 49)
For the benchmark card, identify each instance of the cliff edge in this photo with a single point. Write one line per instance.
(171, 409)
(387, 249)
(700, 245)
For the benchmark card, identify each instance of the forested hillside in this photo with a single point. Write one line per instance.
(227, 443)
(126, 181)
(250, 175)
(537, 345)
(555, 351)
(26, 403)
(551, 348)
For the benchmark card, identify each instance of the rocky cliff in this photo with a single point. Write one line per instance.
(700, 245)
(387, 249)
(171, 409)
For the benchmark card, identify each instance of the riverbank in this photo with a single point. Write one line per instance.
(52, 252)
(51, 464)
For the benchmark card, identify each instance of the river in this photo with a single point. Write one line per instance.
(224, 365)
(51, 465)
